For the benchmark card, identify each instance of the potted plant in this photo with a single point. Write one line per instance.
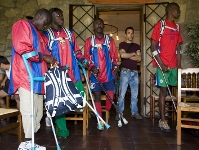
(193, 46)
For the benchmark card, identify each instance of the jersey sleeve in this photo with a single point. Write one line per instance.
(77, 49)
(22, 40)
(156, 32)
(87, 47)
(180, 40)
(113, 52)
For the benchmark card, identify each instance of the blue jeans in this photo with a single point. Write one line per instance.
(128, 78)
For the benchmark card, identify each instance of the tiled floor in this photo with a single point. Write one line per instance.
(137, 135)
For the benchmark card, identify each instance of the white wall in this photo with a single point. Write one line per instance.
(121, 35)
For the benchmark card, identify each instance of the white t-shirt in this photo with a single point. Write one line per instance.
(8, 73)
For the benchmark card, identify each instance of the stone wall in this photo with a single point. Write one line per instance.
(13, 10)
(189, 12)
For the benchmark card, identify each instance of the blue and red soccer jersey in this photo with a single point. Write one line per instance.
(25, 39)
(102, 53)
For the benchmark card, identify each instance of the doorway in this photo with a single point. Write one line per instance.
(116, 20)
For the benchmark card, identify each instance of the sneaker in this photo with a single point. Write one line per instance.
(48, 123)
(28, 145)
(101, 126)
(164, 126)
(137, 116)
(60, 139)
(117, 117)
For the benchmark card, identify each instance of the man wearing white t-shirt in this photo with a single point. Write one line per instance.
(4, 84)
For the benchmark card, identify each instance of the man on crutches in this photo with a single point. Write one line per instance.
(27, 38)
(165, 47)
(101, 52)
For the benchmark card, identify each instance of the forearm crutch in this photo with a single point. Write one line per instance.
(116, 107)
(166, 83)
(94, 108)
(25, 58)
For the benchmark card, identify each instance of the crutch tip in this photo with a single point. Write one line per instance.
(107, 125)
(58, 147)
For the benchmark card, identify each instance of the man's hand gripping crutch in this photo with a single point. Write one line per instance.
(84, 65)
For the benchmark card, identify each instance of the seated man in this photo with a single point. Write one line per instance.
(5, 79)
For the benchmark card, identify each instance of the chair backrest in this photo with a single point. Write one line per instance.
(154, 90)
(187, 80)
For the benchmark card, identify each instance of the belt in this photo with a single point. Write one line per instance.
(125, 69)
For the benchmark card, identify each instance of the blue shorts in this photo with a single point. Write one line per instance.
(108, 86)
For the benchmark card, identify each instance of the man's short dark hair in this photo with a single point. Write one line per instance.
(44, 12)
(98, 19)
(4, 60)
(128, 28)
(55, 10)
(170, 5)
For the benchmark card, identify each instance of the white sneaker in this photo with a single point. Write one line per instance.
(48, 123)
(28, 146)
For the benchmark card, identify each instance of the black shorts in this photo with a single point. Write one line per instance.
(5, 88)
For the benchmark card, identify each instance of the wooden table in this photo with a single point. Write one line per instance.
(12, 127)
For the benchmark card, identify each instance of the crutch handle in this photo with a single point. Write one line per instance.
(25, 58)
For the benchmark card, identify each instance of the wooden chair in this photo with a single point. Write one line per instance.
(11, 127)
(80, 116)
(154, 97)
(184, 106)
(189, 81)
(103, 101)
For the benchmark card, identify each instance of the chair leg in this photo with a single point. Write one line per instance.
(8, 104)
(87, 117)
(107, 116)
(75, 122)
(179, 125)
(84, 123)
(20, 129)
(153, 111)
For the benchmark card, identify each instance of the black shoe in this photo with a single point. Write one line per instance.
(117, 117)
(60, 139)
(137, 116)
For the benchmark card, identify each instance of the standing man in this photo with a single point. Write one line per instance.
(165, 47)
(63, 46)
(130, 55)
(27, 38)
(102, 54)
